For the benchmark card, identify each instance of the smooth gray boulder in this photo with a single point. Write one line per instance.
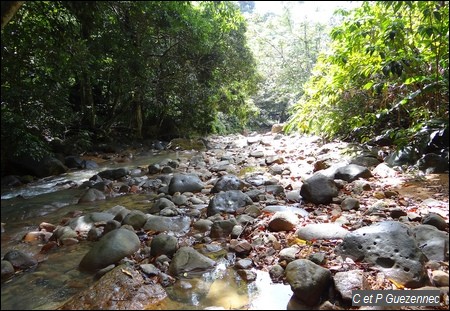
(324, 231)
(111, 248)
(227, 182)
(188, 261)
(391, 246)
(178, 224)
(20, 260)
(227, 202)
(163, 244)
(308, 281)
(185, 183)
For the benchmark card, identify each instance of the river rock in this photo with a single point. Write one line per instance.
(111, 248)
(92, 195)
(391, 246)
(118, 290)
(228, 202)
(188, 260)
(178, 224)
(136, 219)
(7, 270)
(323, 231)
(348, 281)
(352, 172)
(432, 241)
(185, 183)
(86, 222)
(114, 174)
(319, 189)
(227, 182)
(20, 260)
(308, 281)
(163, 244)
(283, 221)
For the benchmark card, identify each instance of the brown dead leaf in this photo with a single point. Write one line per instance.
(127, 273)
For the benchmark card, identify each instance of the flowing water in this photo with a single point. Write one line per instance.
(57, 278)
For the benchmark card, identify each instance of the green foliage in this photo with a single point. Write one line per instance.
(286, 50)
(93, 66)
(386, 71)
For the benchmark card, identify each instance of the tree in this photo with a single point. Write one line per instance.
(9, 9)
(386, 72)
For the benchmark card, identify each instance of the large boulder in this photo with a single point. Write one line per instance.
(391, 246)
(319, 189)
(112, 247)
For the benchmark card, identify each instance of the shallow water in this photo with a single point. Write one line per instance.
(57, 278)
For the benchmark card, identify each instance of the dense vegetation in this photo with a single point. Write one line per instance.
(386, 72)
(83, 72)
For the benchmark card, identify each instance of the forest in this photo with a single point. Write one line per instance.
(77, 73)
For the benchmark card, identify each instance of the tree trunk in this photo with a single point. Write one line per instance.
(9, 9)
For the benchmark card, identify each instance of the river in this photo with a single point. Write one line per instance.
(57, 278)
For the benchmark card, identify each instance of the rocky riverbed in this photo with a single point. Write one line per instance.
(324, 218)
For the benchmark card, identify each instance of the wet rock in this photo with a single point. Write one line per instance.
(136, 219)
(178, 224)
(111, 225)
(161, 204)
(163, 244)
(92, 195)
(308, 281)
(179, 199)
(247, 275)
(244, 264)
(323, 231)
(114, 174)
(7, 270)
(241, 248)
(117, 290)
(111, 248)
(391, 246)
(65, 232)
(20, 260)
(86, 222)
(188, 260)
(228, 202)
(319, 189)
(283, 221)
(348, 281)
(185, 183)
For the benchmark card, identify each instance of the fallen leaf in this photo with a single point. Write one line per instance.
(127, 273)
